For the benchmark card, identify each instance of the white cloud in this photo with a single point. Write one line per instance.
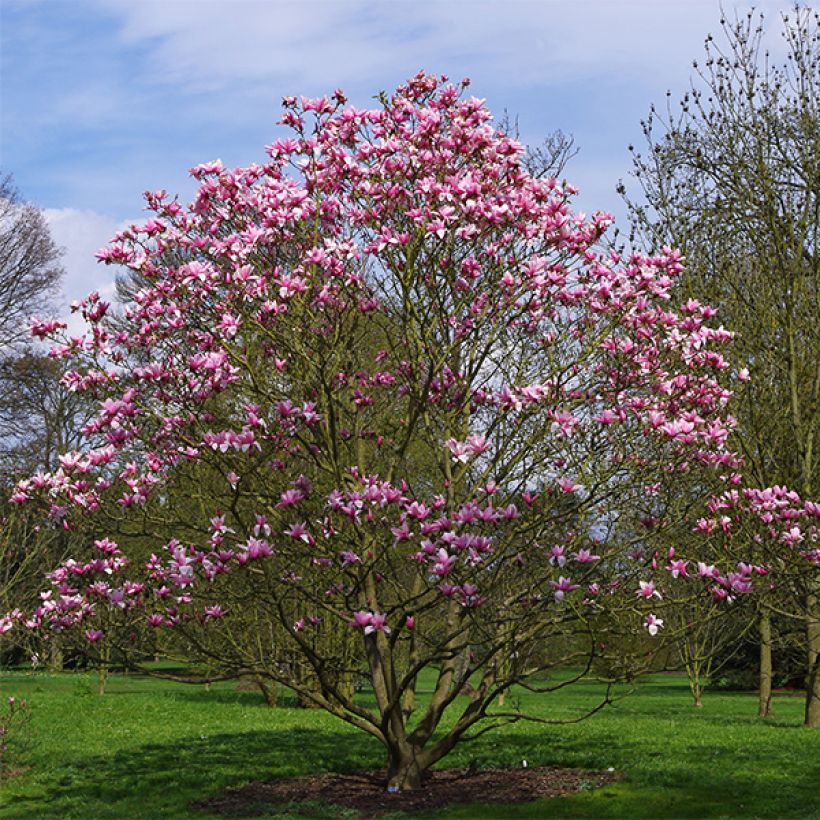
(183, 81)
(316, 43)
(591, 67)
(81, 234)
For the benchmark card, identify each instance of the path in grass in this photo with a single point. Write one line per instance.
(147, 748)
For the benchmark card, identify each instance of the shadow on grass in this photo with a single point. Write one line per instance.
(198, 695)
(161, 779)
(252, 699)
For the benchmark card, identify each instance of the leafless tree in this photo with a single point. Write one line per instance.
(30, 268)
(731, 176)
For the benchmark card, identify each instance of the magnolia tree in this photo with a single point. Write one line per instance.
(438, 426)
(785, 528)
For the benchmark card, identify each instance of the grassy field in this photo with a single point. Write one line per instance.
(147, 748)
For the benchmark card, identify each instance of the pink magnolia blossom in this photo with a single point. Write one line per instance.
(647, 589)
(652, 624)
(562, 586)
(678, 568)
(300, 532)
(378, 623)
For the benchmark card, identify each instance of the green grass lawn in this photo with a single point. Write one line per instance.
(147, 748)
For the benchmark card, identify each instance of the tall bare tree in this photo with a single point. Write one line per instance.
(732, 177)
(30, 268)
(38, 417)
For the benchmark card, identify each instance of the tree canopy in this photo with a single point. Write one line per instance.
(439, 426)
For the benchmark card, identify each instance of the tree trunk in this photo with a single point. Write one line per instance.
(55, 658)
(697, 694)
(693, 674)
(307, 680)
(404, 769)
(764, 709)
(345, 684)
(813, 677)
(269, 690)
(102, 671)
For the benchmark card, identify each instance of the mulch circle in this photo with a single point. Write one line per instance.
(365, 791)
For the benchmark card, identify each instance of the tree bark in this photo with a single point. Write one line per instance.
(693, 674)
(347, 688)
(55, 658)
(697, 694)
(813, 677)
(764, 709)
(104, 666)
(269, 690)
(405, 768)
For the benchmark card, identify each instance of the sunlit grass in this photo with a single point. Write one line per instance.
(147, 748)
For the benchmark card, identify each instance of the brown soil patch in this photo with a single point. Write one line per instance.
(10, 772)
(365, 792)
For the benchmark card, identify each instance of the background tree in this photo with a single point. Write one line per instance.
(732, 178)
(30, 268)
(36, 414)
(37, 418)
(40, 419)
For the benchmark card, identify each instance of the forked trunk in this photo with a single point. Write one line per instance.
(764, 708)
(693, 672)
(404, 769)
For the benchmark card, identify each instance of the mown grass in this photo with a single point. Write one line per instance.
(147, 748)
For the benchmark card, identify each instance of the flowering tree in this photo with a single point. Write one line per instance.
(786, 528)
(703, 632)
(436, 424)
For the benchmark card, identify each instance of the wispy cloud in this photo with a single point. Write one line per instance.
(103, 99)
(210, 43)
(81, 234)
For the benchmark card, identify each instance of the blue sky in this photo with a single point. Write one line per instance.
(103, 99)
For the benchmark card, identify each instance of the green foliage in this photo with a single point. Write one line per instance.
(739, 665)
(147, 748)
